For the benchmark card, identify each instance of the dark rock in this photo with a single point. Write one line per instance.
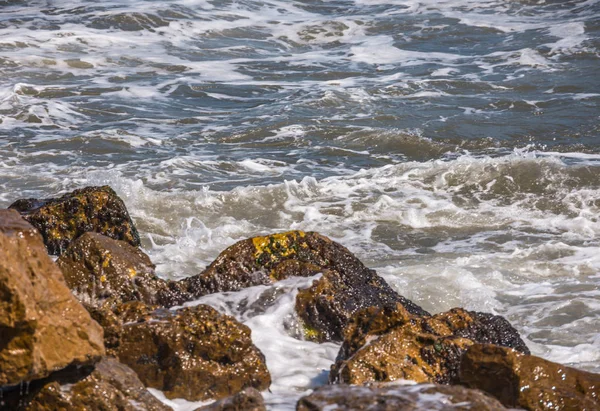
(527, 381)
(99, 269)
(346, 287)
(397, 398)
(385, 344)
(263, 260)
(42, 326)
(493, 329)
(249, 399)
(193, 353)
(109, 386)
(61, 220)
(327, 307)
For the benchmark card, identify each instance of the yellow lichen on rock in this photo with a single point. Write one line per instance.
(282, 244)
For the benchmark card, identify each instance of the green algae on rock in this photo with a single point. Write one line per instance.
(527, 381)
(194, 353)
(42, 326)
(61, 220)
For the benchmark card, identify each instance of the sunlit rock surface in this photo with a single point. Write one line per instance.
(392, 344)
(194, 353)
(43, 328)
(527, 381)
(99, 270)
(61, 220)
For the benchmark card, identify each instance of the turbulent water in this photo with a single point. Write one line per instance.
(454, 146)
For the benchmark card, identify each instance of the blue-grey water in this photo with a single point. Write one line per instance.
(452, 145)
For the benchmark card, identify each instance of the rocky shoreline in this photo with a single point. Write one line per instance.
(97, 327)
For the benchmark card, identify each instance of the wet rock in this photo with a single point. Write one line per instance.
(42, 326)
(263, 260)
(249, 399)
(61, 220)
(397, 397)
(327, 307)
(109, 386)
(527, 381)
(346, 286)
(194, 353)
(113, 317)
(99, 269)
(385, 344)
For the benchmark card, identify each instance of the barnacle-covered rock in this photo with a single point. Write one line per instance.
(61, 220)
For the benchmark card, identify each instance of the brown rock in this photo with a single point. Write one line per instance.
(109, 386)
(263, 260)
(527, 381)
(193, 353)
(326, 308)
(384, 344)
(249, 399)
(42, 326)
(98, 269)
(61, 220)
(397, 398)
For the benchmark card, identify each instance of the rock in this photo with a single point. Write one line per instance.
(249, 399)
(112, 317)
(61, 220)
(327, 307)
(397, 397)
(109, 386)
(385, 344)
(194, 353)
(42, 326)
(527, 381)
(98, 269)
(264, 260)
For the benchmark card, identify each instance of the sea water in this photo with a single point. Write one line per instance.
(453, 146)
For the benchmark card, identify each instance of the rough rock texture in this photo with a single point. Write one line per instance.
(328, 306)
(385, 344)
(397, 398)
(109, 386)
(99, 269)
(346, 287)
(249, 399)
(61, 220)
(113, 317)
(42, 326)
(194, 353)
(263, 260)
(527, 381)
